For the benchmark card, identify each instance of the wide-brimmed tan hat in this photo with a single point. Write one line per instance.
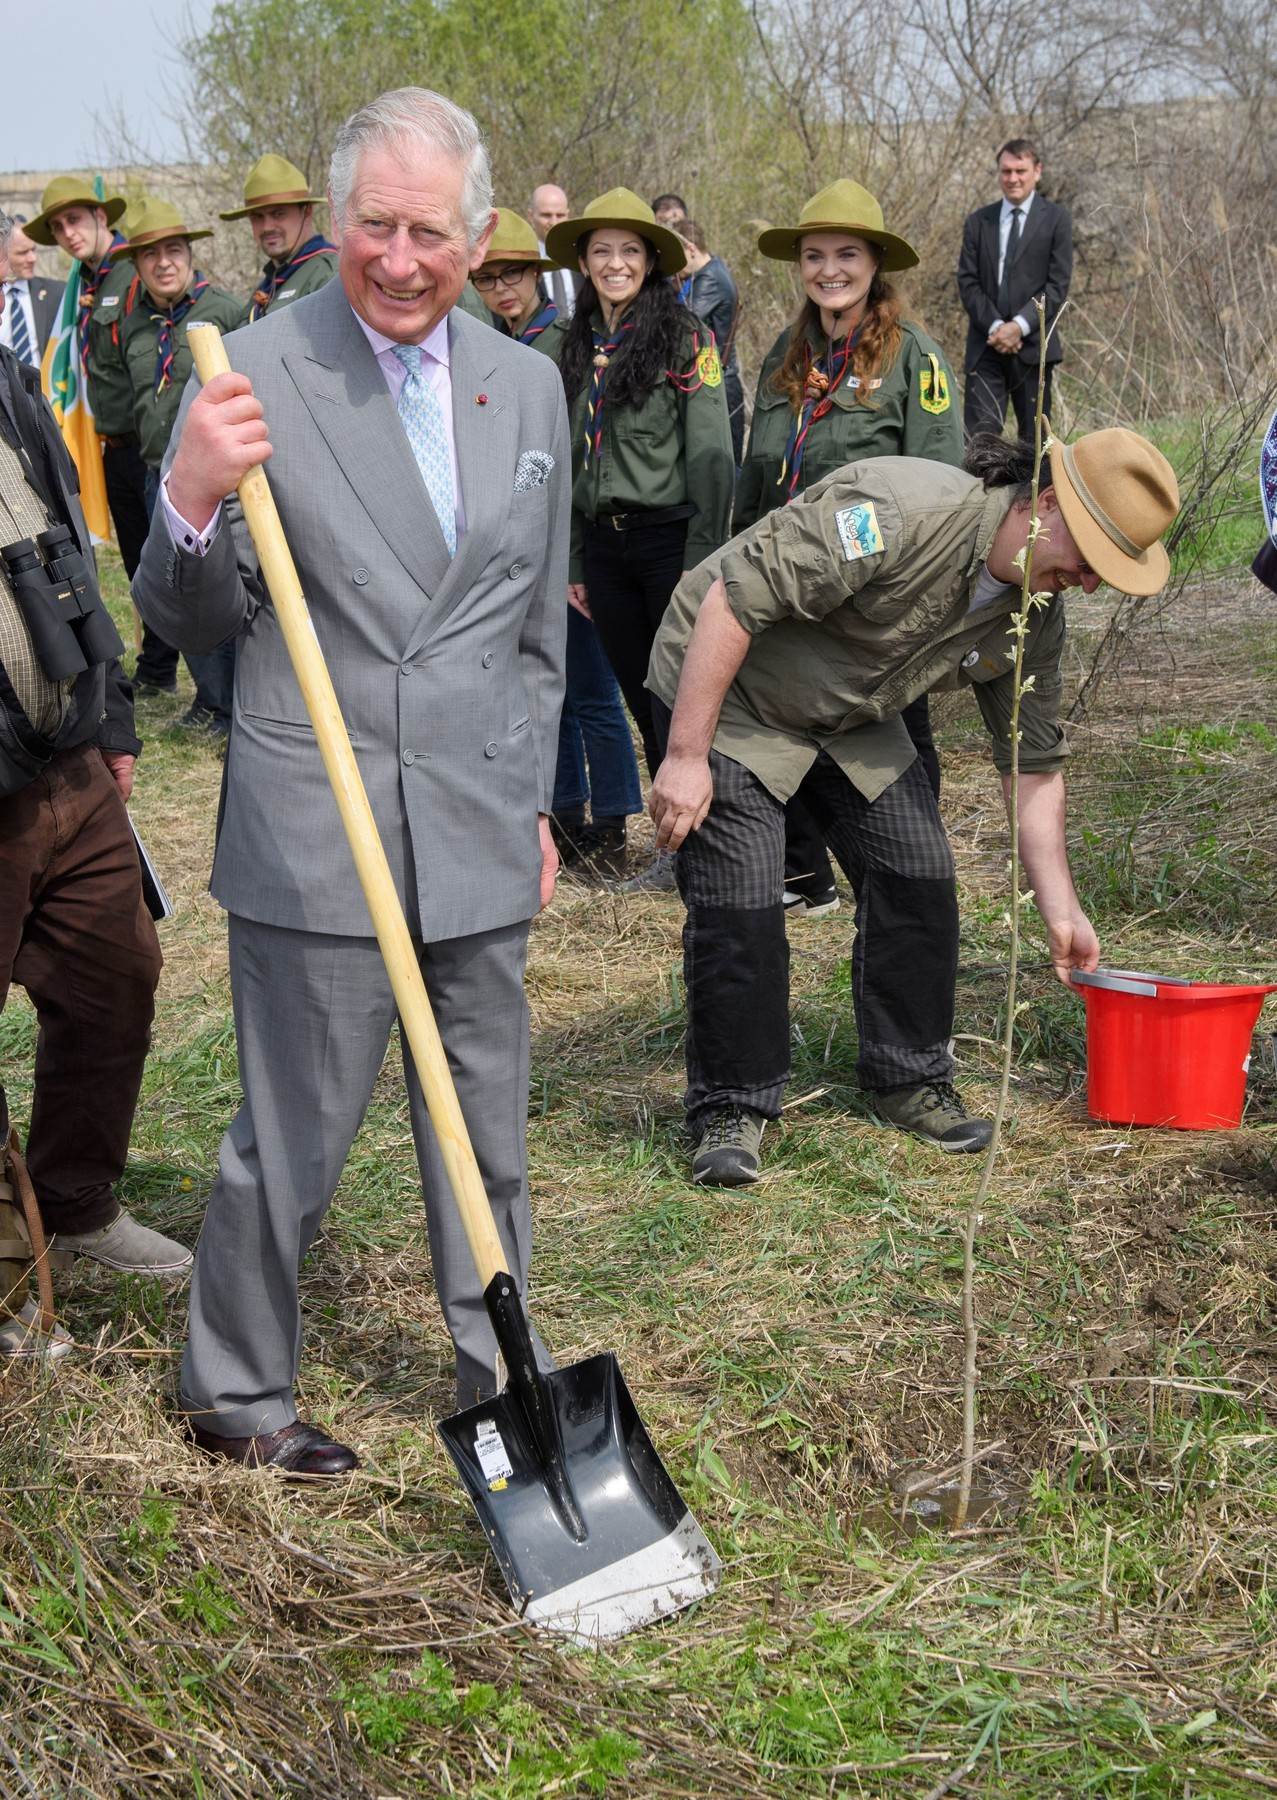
(156, 222)
(1118, 495)
(620, 207)
(842, 206)
(514, 241)
(274, 181)
(64, 191)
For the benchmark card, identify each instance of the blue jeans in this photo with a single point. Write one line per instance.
(213, 671)
(594, 730)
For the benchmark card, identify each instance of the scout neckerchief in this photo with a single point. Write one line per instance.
(90, 281)
(706, 371)
(605, 348)
(168, 322)
(825, 374)
(536, 325)
(273, 277)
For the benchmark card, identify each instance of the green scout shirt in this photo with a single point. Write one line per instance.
(674, 449)
(316, 272)
(911, 412)
(154, 415)
(857, 597)
(110, 390)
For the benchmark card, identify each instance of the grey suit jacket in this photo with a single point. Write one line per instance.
(449, 672)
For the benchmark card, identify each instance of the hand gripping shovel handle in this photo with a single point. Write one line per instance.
(375, 879)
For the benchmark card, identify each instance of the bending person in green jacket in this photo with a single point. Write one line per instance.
(850, 377)
(788, 658)
(652, 467)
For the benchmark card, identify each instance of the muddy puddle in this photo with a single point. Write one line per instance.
(914, 1505)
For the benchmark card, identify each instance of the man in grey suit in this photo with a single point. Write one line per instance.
(421, 466)
(31, 301)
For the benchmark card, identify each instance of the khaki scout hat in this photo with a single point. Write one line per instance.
(843, 206)
(620, 207)
(157, 221)
(64, 191)
(514, 241)
(1118, 495)
(274, 181)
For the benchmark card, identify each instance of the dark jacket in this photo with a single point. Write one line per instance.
(1043, 265)
(713, 297)
(46, 304)
(101, 709)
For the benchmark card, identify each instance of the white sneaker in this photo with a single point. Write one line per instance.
(799, 906)
(21, 1335)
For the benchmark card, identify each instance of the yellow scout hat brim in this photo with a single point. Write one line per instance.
(513, 241)
(274, 181)
(69, 190)
(157, 221)
(622, 209)
(1118, 495)
(843, 206)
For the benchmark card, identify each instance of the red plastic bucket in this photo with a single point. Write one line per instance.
(1163, 1051)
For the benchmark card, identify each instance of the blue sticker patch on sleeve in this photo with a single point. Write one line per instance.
(858, 529)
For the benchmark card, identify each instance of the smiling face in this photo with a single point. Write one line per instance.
(1058, 564)
(1019, 175)
(836, 269)
(279, 229)
(165, 269)
(616, 262)
(82, 231)
(404, 257)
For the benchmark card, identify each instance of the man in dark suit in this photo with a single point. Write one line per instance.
(547, 208)
(31, 301)
(1012, 251)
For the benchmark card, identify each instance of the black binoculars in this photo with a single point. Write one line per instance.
(55, 587)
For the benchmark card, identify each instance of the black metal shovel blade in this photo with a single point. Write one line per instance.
(610, 1548)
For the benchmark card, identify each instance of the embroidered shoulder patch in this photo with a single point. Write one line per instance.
(708, 367)
(858, 529)
(933, 386)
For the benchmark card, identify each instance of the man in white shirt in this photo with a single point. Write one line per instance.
(1012, 251)
(30, 301)
(421, 464)
(549, 206)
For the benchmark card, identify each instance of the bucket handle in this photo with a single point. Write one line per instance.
(1119, 981)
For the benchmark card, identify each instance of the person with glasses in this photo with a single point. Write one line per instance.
(508, 281)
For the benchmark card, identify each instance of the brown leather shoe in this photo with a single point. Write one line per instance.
(296, 1449)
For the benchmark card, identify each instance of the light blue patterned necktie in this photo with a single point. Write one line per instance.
(422, 417)
(19, 337)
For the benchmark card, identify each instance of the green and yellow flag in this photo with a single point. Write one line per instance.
(62, 375)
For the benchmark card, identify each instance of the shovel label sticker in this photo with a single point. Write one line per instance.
(491, 1452)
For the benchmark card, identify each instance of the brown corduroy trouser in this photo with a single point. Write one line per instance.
(75, 933)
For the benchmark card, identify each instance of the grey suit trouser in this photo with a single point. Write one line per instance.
(313, 1015)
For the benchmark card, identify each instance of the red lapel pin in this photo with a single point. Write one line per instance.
(481, 399)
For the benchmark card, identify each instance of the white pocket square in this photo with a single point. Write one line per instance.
(533, 470)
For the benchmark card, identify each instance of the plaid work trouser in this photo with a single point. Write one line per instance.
(736, 960)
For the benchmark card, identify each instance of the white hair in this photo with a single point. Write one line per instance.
(6, 229)
(408, 115)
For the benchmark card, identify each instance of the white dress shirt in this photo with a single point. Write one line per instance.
(23, 291)
(1004, 233)
(560, 287)
(435, 369)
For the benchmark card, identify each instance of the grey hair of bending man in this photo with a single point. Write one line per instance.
(416, 115)
(6, 232)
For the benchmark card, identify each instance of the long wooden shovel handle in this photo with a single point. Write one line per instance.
(416, 1018)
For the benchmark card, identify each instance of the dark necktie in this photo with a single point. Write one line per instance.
(19, 336)
(1013, 244)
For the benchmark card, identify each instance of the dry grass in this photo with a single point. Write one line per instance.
(168, 1628)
